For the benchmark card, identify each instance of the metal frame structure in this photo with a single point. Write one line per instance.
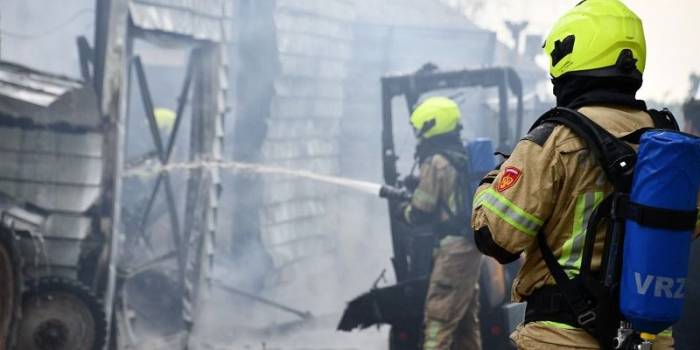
(68, 179)
(163, 153)
(203, 28)
(193, 234)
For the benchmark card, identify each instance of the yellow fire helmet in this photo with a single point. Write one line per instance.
(597, 38)
(165, 118)
(435, 116)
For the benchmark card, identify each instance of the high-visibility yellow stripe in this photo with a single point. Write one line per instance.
(568, 247)
(572, 250)
(515, 208)
(667, 333)
(407, 213)
(431, 334)
(557, 325)
(420, 196)
(477, 197)
(452, 204)
(509, 212)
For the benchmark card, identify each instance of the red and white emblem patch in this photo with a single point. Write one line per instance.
(510, 176)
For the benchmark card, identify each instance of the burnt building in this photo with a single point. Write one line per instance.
(306, 81)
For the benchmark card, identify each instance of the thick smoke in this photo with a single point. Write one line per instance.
(305, 94)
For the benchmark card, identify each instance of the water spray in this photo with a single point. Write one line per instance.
(384, 191)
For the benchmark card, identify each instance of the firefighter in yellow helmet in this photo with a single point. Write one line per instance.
(542, 197)
(452, 305)
(165, 119)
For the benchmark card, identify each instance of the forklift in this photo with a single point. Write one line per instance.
(402, 305)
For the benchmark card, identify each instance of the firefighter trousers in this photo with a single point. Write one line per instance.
(550, 336)
(452, 305)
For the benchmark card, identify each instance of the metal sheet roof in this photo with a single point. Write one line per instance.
(45, 99)
(198, 19)
(31, 86)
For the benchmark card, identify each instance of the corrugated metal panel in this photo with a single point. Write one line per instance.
(44, 98)
(308, 148)
(33, 87)
(48, 170)
(303, 128)
(294, 108)
(292, 210)
(50, 157)
(405, 13)
(298, 251)
(198, 19)
(286, 190)
(53, 197)
(18, 218)
(285, 234)
(51, 151)
(313, 68)
(321, 165)
(54, 253)
(336, 10)
(49, 245)
(315, 49)
(309, 88)
(67, 226)
(306, 45)
(315, 25)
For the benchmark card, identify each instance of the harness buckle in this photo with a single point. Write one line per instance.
(587, 317)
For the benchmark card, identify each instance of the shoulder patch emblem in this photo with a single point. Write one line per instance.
(511, 175)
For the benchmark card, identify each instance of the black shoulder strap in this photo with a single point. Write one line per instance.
(663, 119)
(615, 156)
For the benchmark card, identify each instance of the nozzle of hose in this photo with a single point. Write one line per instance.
(394, 193)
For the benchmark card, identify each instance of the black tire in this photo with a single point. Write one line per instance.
(48, 289)
(10, 288)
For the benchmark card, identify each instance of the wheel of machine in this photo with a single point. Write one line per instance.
(8, 288)
(60, 314)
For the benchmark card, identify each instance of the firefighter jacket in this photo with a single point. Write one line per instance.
(434, 199)
(550, 183)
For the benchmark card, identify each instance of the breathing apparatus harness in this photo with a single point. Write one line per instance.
(590, 300)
